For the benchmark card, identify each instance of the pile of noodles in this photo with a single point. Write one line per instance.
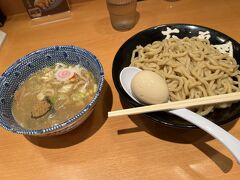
(192, 68)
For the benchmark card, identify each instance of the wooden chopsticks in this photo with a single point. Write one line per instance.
(178, 104)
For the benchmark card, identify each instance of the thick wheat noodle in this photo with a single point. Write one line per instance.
(192, 68)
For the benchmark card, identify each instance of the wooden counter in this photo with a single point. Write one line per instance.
(116, 148)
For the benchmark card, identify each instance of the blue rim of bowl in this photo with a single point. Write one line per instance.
(71, 120)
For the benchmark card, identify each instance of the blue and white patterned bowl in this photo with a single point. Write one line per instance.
(24, 67)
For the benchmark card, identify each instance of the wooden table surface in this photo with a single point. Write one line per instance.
(122, 147)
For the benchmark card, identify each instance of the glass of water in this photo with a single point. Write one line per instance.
(122, 13)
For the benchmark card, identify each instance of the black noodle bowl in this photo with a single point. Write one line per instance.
(123, 57)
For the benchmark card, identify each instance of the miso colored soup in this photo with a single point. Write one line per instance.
(53, 95)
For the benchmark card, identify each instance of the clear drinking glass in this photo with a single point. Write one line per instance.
(122, 13)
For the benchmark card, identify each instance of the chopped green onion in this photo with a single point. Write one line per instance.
(52, 99)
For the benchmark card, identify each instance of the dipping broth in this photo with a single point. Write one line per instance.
(53, 95)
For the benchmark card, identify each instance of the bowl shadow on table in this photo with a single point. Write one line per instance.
(85, 130)
(194, 136)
